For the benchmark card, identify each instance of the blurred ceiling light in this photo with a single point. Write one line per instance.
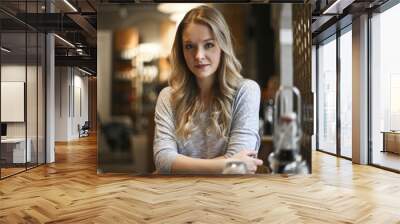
(177, 10)
(65, 41)
(177, 17)
(5, 50)
(176, 7)
(70, 5)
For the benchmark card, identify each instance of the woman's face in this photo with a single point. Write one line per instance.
(200, 49)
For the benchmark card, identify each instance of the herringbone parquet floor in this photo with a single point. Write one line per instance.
(70, 191)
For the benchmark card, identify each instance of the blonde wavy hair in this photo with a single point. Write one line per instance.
(186, 93)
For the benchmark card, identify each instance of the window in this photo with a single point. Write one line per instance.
(346, 93)
(334, 109)
(326, 96)
(385, 89)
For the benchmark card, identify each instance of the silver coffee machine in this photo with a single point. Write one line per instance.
(287, 133)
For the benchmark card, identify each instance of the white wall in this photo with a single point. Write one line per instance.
(13, 73)
(80, 109)
(13, 101)
(61, 103)
(71, 102)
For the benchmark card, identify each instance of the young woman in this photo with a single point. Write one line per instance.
(208, 115)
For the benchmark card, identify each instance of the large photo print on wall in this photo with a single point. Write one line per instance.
(190, 88)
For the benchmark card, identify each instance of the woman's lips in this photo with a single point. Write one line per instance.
(201, 66)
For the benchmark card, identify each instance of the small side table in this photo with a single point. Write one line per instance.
(391, 141)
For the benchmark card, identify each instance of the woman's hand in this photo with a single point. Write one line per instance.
(249, 158)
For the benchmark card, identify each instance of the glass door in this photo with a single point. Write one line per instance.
(22, 77)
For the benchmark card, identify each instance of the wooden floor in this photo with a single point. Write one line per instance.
(70, 191)
(386, 159)
(5, 172)
(8, 171)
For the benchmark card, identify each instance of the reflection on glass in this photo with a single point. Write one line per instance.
(327, 97)
(22, 90)
(14, 151)
(385, 84)
(346, 94)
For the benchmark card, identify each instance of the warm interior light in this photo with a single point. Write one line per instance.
(177, 10)
(177, 17)
(144, 52)
(170, 8)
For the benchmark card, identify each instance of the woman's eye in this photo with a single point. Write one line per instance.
(209, 45)
(188, 46)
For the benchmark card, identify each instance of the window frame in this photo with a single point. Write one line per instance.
(333, 37)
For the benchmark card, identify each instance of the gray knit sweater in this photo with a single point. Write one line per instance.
(243, 132)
